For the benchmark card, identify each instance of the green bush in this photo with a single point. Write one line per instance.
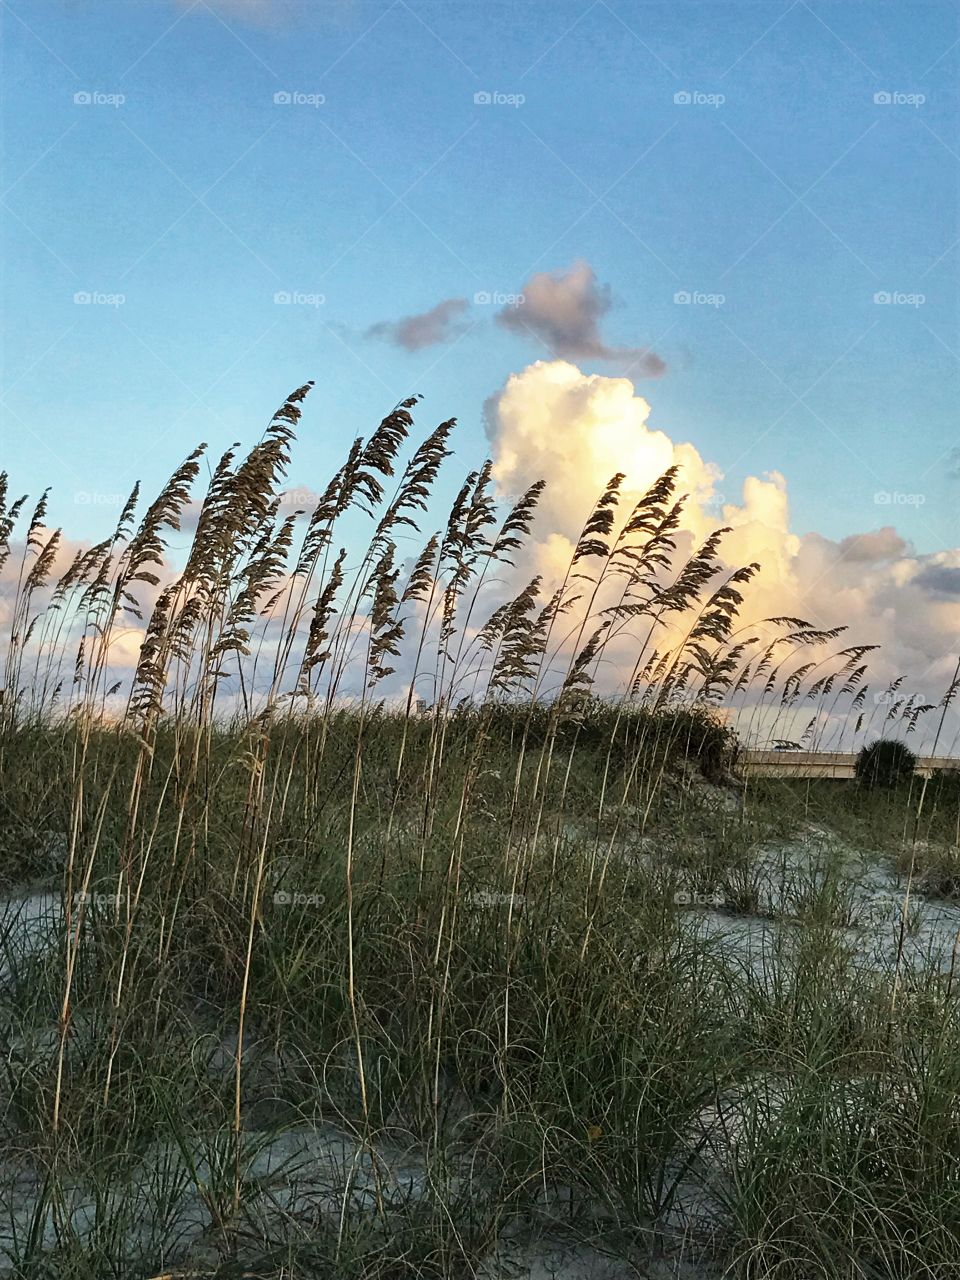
(885, 763)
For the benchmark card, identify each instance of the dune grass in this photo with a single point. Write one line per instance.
(322, 982)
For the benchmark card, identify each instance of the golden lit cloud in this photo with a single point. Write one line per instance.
(576, 430)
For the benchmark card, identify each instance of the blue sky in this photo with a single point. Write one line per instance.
(198, 198)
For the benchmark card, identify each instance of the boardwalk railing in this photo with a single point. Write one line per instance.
(824, 764)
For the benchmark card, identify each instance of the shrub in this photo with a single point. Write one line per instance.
(885, 763)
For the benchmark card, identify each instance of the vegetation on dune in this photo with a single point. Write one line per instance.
(885, 763)
(476, 921)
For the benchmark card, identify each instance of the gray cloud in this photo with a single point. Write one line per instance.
(940, 579)
(413, 333)
(564, 311)
(875, 547)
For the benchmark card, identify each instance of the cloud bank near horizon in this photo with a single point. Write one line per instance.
(575, 430)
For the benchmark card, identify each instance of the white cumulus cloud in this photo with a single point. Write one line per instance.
(576, 430)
